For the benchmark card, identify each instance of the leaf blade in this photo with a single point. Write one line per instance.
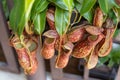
(42, 6)
(88, 16)
(86, 6)
(61, 20)
(20, 14)
(104, 5)
(39, 22)
(59, 4)
(25, 16)
(69, 4)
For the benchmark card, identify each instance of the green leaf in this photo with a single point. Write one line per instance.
(114, 55)
(89, 16)
(118, 14)
(35, 5)
(116, 32)
(60, 4)
(69, 4)
(61, 20)
(20, 15)
(113, 16)
(26, 15)
(113, 58)
(104, 5)
(33, 11)
(39, 15)
(78, 5)
(13, 19)
(111, 4)
(111, 63)
(102, 61)
(15, 15)
(42, 6)
(107, 5)
(39, 22)
(79, 1)
(86, 6)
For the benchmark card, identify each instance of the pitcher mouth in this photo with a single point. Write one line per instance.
(32, 45)
(18, 45)
(50, 41)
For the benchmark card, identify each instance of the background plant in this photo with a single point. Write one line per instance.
(113, 59)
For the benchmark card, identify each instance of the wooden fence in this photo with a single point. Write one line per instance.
(12, 65)
(7, 50)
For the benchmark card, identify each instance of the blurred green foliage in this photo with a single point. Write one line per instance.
(112, 59)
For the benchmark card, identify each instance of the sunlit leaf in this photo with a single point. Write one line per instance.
(79, 1)
(38, 6)
(61, 20)
(33, 11)
(60, 4)
(39, 22)
(78, 5)
(114, 3)
(26, 15)
(20, 14)
(107, 5)
(89, 16)
(111, 4)
(86, 6)
(42, 6)
(104, 5)
(69, 4)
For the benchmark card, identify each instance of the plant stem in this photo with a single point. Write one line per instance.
(77, 21)
(59, 50)
(75, 16)
(40, 41)
(11, 37)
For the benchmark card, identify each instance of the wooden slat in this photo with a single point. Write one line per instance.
(57, 74)
(68, 76)
(86, 74)
(75, 77)
(8, 51)
(72, 77)
(118, 74)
